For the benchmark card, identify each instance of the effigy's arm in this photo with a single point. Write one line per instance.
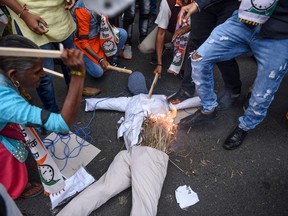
(116, 104)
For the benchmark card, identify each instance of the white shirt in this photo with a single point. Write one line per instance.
(164, 15)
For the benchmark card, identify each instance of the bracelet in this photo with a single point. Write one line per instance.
(25, 8)
(159, 65)
(77, 73)
(101, 60)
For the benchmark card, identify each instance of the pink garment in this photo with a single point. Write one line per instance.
(13, 173)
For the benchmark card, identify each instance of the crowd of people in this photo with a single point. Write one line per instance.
(220, 31)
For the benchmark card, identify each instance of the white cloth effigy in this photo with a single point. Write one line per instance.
(136, 108)
(126, 170)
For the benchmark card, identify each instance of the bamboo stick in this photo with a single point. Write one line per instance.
(53, 72)
(38, 53)
(153, 85)
(124, 70)
(23, 52)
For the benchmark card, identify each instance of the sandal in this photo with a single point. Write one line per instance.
(32, 189)
(88, 91)
(179, 96)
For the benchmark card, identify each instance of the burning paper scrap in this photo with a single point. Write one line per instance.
(185, 196)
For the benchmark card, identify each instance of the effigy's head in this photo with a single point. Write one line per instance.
(159, 131)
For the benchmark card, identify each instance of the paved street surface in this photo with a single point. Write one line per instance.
(249, 181)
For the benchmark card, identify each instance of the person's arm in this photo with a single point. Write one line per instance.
(14, 108)
(74, 60)
(159, 44)
(194, 7)
(35, 23)
(70, 4)
(83, 18)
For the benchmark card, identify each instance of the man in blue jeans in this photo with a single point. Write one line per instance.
(202, 25)
(261, 28)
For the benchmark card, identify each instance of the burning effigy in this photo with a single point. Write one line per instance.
(148, 130)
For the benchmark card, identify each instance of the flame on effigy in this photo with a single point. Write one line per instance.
(159, 131)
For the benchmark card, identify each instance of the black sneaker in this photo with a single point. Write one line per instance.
(179, 96)
(197, 118)
(226, 99)
(115, 63)
(235, 139)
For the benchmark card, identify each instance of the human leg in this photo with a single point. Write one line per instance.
(144, 10)
(232, 84)
(203, 23)
(46, 87)
(92, 68)
(120, 44)
(148, 44)
(68, 44)
(229, 69)
(272, 59)
(223, 44)
(153, 12)
(128, 19)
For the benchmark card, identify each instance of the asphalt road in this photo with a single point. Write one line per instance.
(249, 181)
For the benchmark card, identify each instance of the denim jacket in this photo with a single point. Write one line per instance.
(95, 20)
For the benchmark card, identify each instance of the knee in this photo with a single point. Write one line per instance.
(195, 56)
(95, 72)
(123, 34)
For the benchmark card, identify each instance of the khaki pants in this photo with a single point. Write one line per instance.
(142, 168)
(148, 44)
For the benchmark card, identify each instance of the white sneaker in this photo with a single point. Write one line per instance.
(127, 54)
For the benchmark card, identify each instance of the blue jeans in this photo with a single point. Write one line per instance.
(46, 88)
(94, 69)
(128, 19)
(153, 7)
(232, 39)
(204, 23)
(144, 11)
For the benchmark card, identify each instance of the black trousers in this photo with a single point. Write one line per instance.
(202, 25)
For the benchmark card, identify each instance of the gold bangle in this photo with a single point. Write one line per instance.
(77, 73)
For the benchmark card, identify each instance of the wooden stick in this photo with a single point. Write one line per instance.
(23, 52)
(53, 72)
(38, 53)
(153, 85)
(124, 70)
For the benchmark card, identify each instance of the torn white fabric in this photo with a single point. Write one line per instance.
(136, 108)
(126, 169)
(76, 183)
(185, 196)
